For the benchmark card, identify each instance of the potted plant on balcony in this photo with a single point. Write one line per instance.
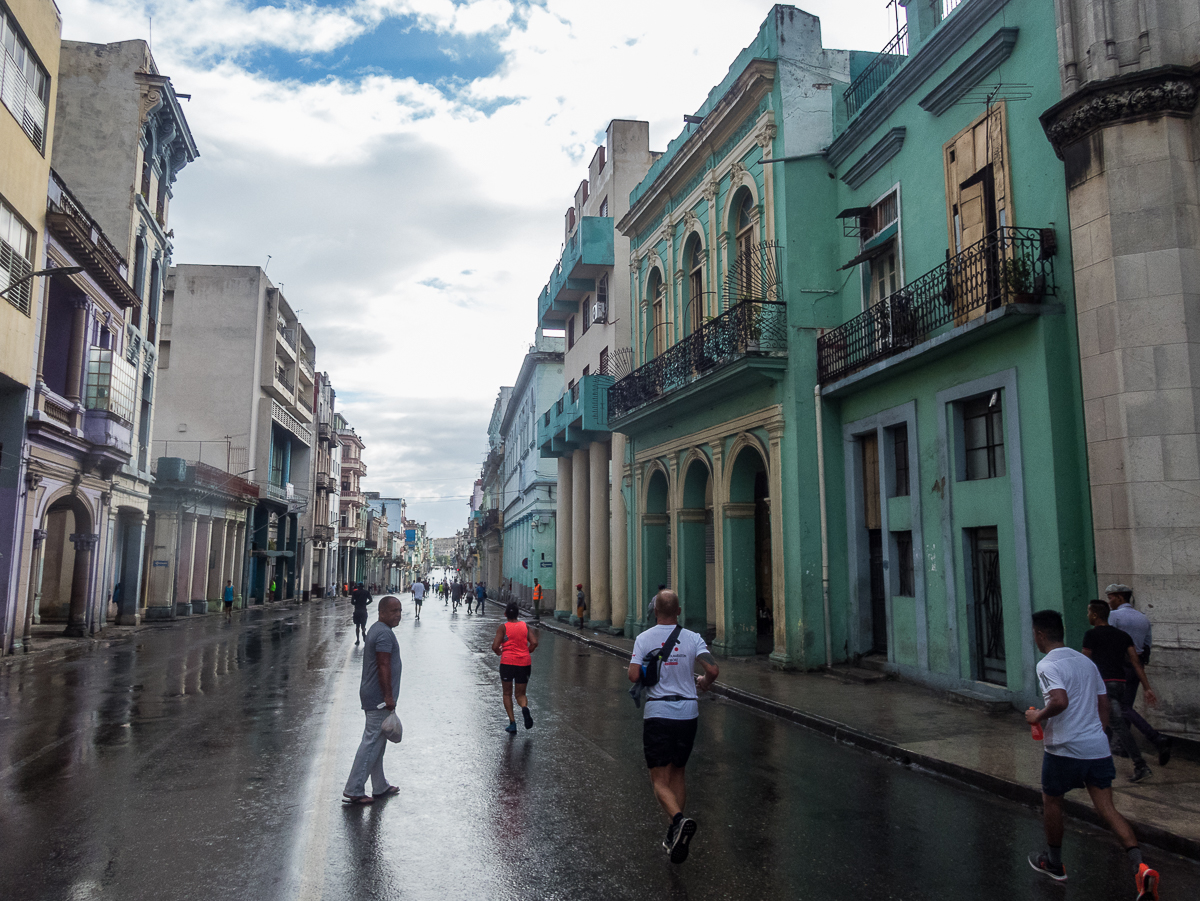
(1016, 281)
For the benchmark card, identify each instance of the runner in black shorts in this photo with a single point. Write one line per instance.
(672, 713)
(515, 642)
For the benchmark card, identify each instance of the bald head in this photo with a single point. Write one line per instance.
(666, 605)
(389, 610)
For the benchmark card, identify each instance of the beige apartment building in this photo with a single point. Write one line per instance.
(237, 393)
(588, 296)
(1128, 133)
(120, 141)
(29, 42)
(352, 521)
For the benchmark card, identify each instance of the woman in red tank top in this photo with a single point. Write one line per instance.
(515, 642)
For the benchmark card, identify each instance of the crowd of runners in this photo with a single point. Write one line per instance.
(1087, 697)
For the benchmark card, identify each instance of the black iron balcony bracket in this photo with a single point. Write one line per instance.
(750, 328)
(1009, 266)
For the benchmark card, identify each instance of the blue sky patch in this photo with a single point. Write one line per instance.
(399, 47)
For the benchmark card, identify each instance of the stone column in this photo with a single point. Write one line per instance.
(581, 538)
(781, 655)
(216, 572)
(35, 585)
(619, 534)
(600, 600)
(185, 567)
(766, 142)
(129, 569)
(563, 519)
(241, 550)
(85, 546)
(200, 564)
(165, 549)
(719, 498)
(229, 574)
(77, 347)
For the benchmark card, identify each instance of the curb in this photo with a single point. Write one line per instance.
(1017, 792)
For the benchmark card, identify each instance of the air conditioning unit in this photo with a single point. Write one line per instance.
(599, 312)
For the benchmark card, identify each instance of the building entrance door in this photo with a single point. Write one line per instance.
(988, 607)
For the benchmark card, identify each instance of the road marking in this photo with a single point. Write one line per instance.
(12, 768)
(308, 866)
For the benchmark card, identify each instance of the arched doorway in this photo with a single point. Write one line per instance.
(696, 548)
(748, 577)
(656, 537)
(66, 565)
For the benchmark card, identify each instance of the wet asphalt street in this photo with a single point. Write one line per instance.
(206, 760)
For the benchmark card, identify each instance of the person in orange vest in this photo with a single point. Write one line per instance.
(537, 599)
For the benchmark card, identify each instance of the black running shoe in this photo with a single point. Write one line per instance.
(1041, 863)
(683, 837)
(528, 717)
(1164, 750)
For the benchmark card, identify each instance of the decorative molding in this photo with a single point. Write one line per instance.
(765, 136)
(949, 37)
(872, 161)
(994, 51)
(1164, 91)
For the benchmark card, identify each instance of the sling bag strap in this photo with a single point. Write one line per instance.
(672, 640)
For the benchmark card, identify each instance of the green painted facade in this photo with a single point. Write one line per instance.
(937, 186)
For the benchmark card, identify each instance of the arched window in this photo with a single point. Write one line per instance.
(152, 303)
(744, 242)
(139, 276)
(658, 312)
(694, 262)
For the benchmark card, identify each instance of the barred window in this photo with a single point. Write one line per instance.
(16, 257)
(24, 84)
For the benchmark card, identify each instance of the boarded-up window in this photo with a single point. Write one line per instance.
(870, 481)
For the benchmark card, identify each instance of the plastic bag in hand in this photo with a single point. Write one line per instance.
(392, 728)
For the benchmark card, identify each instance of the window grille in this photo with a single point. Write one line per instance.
(16, 257)
(900, 471)
(906, 584)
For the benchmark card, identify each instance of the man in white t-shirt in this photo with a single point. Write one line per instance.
(1076, 752)
(672, 713)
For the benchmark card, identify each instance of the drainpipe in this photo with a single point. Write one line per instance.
(824, 527)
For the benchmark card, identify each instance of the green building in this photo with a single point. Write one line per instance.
(902, 260)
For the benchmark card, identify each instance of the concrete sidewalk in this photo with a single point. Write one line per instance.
(919, 727)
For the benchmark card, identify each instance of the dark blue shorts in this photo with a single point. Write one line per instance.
(1061, 774)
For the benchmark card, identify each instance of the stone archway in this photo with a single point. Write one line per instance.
(67, 565)
(656, 538)
(748, 567)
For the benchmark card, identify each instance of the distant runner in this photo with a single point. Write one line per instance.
(418, 593)
(360, 598)
(515, 643)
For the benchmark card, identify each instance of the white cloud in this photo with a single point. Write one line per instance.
(413, 229)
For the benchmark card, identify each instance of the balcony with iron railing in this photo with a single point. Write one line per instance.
(71, 224)
(746, 343)
(588, 254)
(886, 63)
(577, 418)
(286, 338)
(1005, 275)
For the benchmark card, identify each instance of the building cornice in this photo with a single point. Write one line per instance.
(1163, 91)
(740, 101)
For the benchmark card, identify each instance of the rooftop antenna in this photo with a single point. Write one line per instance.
(268, 264)
(150, 36)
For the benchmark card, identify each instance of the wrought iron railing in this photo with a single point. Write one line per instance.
(283, 378)
(287, 334)
(751, 328)
(1010, 265)
(879, 71)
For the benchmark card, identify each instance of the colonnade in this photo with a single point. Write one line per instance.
(195, 555)
(590, 533)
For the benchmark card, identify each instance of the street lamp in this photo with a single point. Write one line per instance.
(53, 270)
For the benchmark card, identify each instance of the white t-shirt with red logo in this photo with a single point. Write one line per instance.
(677, 675)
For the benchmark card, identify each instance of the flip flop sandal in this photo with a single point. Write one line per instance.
(390, 790)
(361, 799)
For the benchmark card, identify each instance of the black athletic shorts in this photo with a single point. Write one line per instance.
(518, 674)
(360, 616)
(668, 742)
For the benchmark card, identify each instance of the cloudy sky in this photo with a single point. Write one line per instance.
(405, 165)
